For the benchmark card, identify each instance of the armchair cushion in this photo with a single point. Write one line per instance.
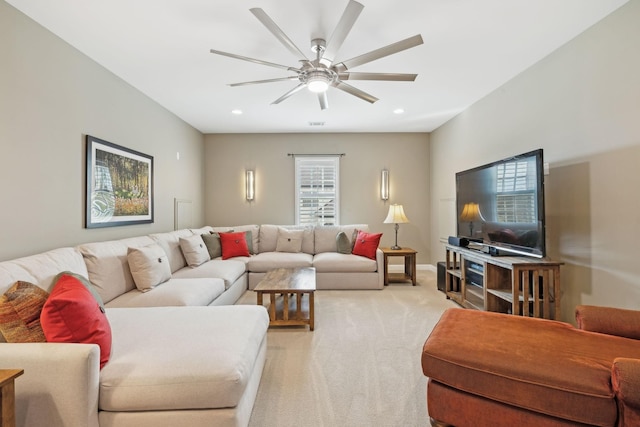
(625, 377)
(566, 369)
(609, 320)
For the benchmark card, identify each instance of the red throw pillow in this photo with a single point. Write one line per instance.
(233, 245)
(366, 244)
(71, 314)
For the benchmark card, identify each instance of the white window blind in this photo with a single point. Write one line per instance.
(317, 196)
(516, 199)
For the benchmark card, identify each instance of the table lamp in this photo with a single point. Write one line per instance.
(470, 213)
(396, 216)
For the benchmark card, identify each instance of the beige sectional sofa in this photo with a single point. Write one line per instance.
(181, 353)
(319, 249)
(196, 366)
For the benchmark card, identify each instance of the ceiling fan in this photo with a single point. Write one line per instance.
(321, 72)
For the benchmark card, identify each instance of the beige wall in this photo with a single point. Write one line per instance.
(50, 97)
(405, 155)
(581, 105)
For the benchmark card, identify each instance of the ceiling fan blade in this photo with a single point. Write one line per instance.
(281, 79)
(291, 92)
(355, 92)
(380, 53)
(324, 100)
(256, 61)
(393, 77)
(276, 31)
(341, 31)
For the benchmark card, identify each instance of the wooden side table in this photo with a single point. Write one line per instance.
(409, 265)
(8, 396)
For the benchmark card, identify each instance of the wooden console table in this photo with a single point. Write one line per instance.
(8, 396)
(517, 285)
(409, 265)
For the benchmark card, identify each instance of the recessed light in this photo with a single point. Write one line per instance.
(236, 112)
(398, 111)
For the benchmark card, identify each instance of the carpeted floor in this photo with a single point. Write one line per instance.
(361, 364)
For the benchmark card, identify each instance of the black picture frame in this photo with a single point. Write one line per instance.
(119, 185)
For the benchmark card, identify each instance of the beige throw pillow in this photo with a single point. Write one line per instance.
(194, 249)
(149, 266)
(289, 240)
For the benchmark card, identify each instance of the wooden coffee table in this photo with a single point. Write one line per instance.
(281, 283)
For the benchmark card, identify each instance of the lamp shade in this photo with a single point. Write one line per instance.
(396, 215)
(471, 212)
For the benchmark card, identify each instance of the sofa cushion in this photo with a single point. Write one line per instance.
(269, 237)
(228, 270)
(149, 266)
(289, 240)
(207, 229)
(194, 250)
(108, 267)
(266, 261)
(20, 309)
(234, 245)
(209, 365)
(170, 242)
(335, 262)
(566, 369)
(325, 236)
(174, 292)
(41, 269)
(71, 314)
(366, 244)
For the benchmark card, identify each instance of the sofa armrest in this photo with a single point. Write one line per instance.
(625, 379)
(59, 387)
(609, 320)
(380, 270)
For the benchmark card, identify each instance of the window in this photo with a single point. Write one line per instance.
(516, 198)
(317, 186)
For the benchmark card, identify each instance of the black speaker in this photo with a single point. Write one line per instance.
(441, 269)
(458, 241)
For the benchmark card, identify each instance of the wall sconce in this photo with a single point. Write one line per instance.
(250, 185)
(384, 185)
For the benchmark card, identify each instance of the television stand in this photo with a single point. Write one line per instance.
(506, 284)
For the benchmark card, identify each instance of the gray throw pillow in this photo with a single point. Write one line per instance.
(344, 245)
(212, 242)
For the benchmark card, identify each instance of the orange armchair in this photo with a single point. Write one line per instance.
(492, 369)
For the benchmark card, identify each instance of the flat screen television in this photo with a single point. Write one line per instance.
(501, 205)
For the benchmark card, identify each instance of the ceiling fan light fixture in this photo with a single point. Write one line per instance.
(318, 83)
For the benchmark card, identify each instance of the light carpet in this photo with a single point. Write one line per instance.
(361, 364)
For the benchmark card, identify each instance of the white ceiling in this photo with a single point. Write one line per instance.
(161, 47)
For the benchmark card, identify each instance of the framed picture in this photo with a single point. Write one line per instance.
(119, 185)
